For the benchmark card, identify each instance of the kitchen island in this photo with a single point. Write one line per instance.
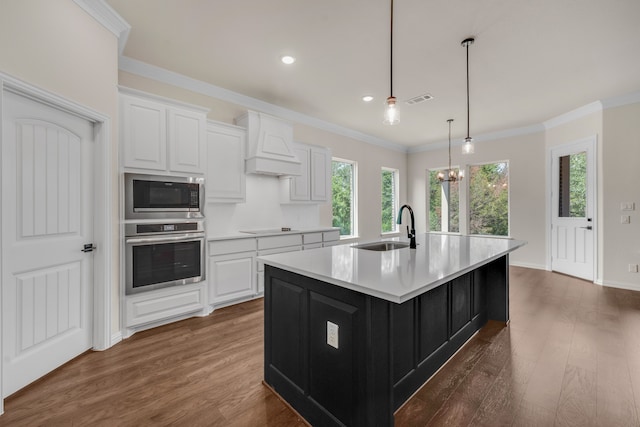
(351, 333)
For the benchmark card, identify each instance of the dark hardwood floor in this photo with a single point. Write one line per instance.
(569, 357)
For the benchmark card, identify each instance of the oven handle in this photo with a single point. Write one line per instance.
(176, 238)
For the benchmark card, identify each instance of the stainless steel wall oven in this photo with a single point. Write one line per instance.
(159, 255)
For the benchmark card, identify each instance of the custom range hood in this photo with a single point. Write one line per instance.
(269, 145)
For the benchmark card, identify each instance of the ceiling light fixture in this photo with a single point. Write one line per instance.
(287, 59)
(367, 98)
(391, 116)
(467, 147)
(451, 175)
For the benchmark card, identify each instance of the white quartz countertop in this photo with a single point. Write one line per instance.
(396, 275)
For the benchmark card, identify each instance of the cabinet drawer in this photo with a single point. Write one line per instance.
(276, 251)
(329, 236)
(312, 246)
(165, 303)
(272, 242)
(221, 247)
(311, 238)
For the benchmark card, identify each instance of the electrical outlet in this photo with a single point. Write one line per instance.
(627, 206)
(633, 268)
(332, 334)
(625, 219)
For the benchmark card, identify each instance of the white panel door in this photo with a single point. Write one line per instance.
(47, 218)
(573, 233)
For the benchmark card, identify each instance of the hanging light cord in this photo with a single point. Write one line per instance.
(391, 55)
(450, 120)
(468, 43)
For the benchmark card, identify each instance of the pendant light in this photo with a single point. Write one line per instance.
(391, 116)
(467, 147)
(451, 175)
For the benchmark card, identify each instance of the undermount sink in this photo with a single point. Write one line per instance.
(382, 246)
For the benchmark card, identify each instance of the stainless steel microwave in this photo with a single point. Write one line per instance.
(163, 197)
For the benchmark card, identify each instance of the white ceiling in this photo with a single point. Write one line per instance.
(532, 59)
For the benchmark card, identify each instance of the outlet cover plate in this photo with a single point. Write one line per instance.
(332, 334)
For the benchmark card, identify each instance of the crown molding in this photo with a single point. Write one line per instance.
(619, 101)
(492, 136)
(143, 69)
(109, 18)
(585, 110)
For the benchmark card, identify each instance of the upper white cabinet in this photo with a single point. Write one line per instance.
(225, 163)
(314, 182)
(161, 135)
(269, 145)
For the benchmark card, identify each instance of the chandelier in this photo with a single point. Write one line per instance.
(451, 175)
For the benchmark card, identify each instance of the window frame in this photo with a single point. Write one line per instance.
(354, 196)
(462, 188)
(396, 199)
(468, 198)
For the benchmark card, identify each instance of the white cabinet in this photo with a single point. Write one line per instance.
(314, 182)
(143, 134)
(331, 238)
(311, 240)
(163, 304)
(161, 135)
(186, 140)
(225, 163)
(232, 270)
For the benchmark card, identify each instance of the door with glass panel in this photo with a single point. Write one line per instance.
(573, 226)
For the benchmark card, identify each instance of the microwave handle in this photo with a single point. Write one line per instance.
(164, 239)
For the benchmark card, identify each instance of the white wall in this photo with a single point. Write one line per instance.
(525, 154)
(621, 159)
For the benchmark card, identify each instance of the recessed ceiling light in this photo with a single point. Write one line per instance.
(288, 59)
(367, 98)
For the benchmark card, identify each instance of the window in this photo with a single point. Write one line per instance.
(389, 200)
(343, 185)
(489, 199)
(573, 186)
(444, 204)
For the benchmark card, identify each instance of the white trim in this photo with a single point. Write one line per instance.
(585, 110)
(527, 265)
(102, 283)
(619, 101)
(109, 18)
(622, 285)
(152, 96)
(143, 69)
(116, 338)
(492, 136)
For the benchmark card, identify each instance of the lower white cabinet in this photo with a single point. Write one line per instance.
(231, 270)
(162, 304)
(232, 277)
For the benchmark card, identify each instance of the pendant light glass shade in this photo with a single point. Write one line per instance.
(391, 113)
(467, 147)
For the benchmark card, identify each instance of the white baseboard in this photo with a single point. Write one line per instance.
(622, 285)
(527, 265)
(116, 338)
